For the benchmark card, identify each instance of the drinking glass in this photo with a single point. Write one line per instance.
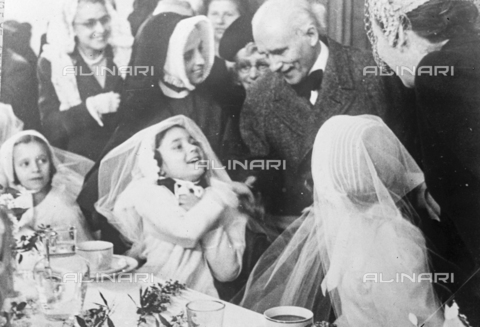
(61, 276)
(205, 313)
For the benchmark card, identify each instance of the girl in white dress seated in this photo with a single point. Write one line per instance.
(50, 178)
(357, 248)
(180, 217)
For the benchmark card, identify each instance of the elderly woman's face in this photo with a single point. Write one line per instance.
(222, 13)
(250, 65)
(92, 26)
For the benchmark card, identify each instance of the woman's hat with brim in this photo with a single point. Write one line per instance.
(236, 37)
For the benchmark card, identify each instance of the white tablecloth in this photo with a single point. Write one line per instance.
(124, 314)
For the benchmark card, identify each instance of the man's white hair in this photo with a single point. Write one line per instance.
(299, 12)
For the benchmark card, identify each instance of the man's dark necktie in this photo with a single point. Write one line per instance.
(311, 83)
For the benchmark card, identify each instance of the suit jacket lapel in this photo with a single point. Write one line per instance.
(111, 79)
(294, 111)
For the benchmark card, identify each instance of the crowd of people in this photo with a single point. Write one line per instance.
(127, 121)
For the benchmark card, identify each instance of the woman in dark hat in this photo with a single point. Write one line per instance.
(238, 48)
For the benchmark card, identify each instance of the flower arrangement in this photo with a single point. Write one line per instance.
(16, 203)
(153, 301)
(96, 317)
(18, 314)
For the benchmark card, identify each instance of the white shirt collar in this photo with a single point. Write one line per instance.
(322, 58)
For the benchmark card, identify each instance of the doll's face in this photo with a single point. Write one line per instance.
(32, 165)
(180, 155)
(92, 26)
(194, 58)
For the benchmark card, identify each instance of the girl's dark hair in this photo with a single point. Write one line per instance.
(242, 6)
(158, 141)
(439, 20)
(26, 139)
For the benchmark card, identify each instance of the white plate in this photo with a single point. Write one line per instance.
(120, 264)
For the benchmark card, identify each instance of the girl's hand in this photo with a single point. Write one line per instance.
(224, 192)
(188, 201)
(242, 189)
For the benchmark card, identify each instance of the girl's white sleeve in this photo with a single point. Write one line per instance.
(163, 217)
(223, 247)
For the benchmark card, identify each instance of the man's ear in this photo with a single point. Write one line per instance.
(312, 35)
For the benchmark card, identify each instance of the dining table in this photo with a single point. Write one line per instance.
(123, 295)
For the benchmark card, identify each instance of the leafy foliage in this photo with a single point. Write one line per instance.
(154, 300)
(97, 317)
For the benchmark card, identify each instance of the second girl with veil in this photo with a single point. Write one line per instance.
(180, 217)
(53, 177)
(359, 233)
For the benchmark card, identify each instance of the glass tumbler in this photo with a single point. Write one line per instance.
(205, 313)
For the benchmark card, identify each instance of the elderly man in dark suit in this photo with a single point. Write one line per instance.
(313, 78)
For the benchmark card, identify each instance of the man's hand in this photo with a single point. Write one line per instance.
(188, 201)
(426, 201)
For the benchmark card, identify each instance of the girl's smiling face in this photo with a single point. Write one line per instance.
(32, 165)
(180, 154)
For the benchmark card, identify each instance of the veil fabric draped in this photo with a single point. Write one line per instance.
(356, 228)
(134, 160)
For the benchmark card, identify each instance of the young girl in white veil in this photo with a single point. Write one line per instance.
(357, 240)
(53, 178)
(180, 217)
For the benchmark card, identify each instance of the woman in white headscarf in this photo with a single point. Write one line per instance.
(81, 72)
(359, 233)
(49, 178)
(144, 194)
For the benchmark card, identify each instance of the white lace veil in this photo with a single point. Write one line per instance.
(134, 160)
(361, 172)
(9, 123)
(70, 168)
